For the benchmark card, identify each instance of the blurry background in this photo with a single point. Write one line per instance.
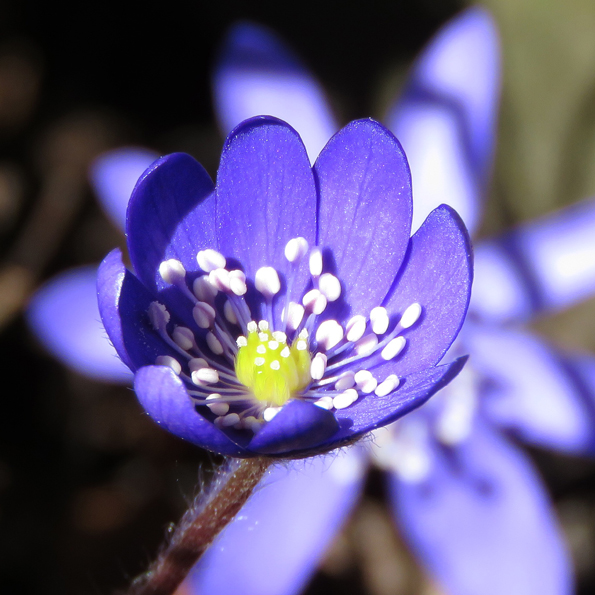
(88, 484)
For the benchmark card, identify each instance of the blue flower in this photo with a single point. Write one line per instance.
(287, 311)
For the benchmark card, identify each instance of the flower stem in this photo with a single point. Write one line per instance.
(200, 525)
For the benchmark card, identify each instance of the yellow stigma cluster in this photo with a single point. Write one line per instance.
(273, 370)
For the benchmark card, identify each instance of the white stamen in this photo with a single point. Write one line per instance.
(158, 315)
(318, 366)
(204, 376)
(267, 281)
(345, 381)
(263, 336)
(302, 345)
(411, 315)
(330, 286)
(209, 260)
(261, 349)
(218, 408)
(273, 345)
(214, 344)
(170, 362)
(196, 363)
(228, 420)
(295, 313)
(259, 361)
(252, 326)
(219, 278)
(251, 423)
(270, 412)
(314, 301)
(366, 345)
(183, 337)
(237, 282)
(263, 325)
(229, 313)
(328, 334)
(379, 319)
(285, 352)
(275, 365)
(241, 341)
(295, 249)
(204, 314)
(172, 271)
(324, 403)
(345, 399)
(315, 262)
(356, 328)
(389, 385)
(393, 348)
(365, 381)
(203, 289)
(280, 336)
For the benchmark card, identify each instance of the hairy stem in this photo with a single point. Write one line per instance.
(200, 525)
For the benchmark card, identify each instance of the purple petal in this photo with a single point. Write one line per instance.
(256, 73)
(437, 275)
(282, 532)
(164, 398)
(65, 317)
(113, 176)
(481, 522)
(446, 119)
(170, 216)
(532, 390)
(365, 210)
(545, 265)
(298, 426)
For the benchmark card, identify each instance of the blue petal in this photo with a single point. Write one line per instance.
(365, 210)
(164, 398)
(546, 265)
(113, 177)
(530, 389)
(282, 532)
(481, 523)
(446, 119)
(256, 74)
(65, 317)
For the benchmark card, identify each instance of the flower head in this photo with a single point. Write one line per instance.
(287, 311)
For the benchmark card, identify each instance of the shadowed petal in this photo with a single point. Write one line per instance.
(256, 74)
(164, 398)
(548, 264)
(481, 522)
(113, 176)
(436, 274)
(365, 210)
(282, 532)
(446, 119)
(534, 391)
(65, 317)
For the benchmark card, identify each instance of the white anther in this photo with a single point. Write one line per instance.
(172, 271)
(209, 260)
(273, 345)
(203, 289)
(303, 334)
(345, 381)
(213, 397)
(270, 412)
(158, 315)
(315, 262)
(263, 325)
(318, 366)
(241, 341)
(231, 419)
(229, 313)
(267, 281)
(204, 376)
(366, 345)
(170, 362)
(280, 336)
(214, 344)
(285, 352)
(275, 365)
(328, 334)
(379, 319)
(314, 301)
(393, 348)
(259, 361)
(204, 314)
(330, 286)
(365, 381)
(252, 326)
(219, 278)
(295, 313)
(295, 249)
(218, 408)
(411, 315)
(345, 399)
(237, 282)
(387, 386)
(356, 327)
(196, 363)
(252, 424)
(261, 349)
(183, 337)
(263, 337)
(302, 345)
(324, 403)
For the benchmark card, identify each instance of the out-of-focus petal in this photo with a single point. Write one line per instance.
(257, 74)
(481, 522)
(365, 210)
(548, 264)
(446, 119)
(275, 543)
(113, 176)
(532, 390)
(65, 317)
